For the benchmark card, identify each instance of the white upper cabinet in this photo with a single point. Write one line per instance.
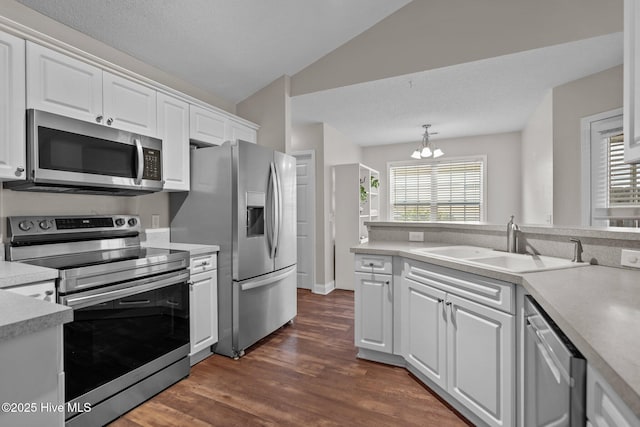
(238, 130)
(128, 105)
(12, 107)
(63, 85)
(207, 126)
(631, 118)
(173, 129)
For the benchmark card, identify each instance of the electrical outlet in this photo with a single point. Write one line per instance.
(416, 236)
(630, 258)
(155, 221)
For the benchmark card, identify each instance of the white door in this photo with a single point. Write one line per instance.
(373, 312)
(424, 330)
(305, 189)
(173, 129)
(12, 106)
(481, 355)
(207, 126)
(63, 85)
(203, 301)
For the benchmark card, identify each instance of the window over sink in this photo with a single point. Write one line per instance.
(438, 190)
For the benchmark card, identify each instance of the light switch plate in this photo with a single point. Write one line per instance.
(416, 236)
(155, 221)
(630, 258)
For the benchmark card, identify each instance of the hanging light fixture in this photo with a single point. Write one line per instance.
(426, 148)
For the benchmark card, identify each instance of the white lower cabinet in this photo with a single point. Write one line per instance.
(466, 348)
(203, 303)
(604, 407)
(374, 311)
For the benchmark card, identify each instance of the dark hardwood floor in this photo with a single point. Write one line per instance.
(304, 374)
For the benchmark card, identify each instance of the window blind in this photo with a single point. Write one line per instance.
(442, 191)
(622, 177)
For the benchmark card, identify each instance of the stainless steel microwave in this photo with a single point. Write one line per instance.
(73, 156)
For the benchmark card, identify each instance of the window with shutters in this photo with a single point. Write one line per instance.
(445, 190)
(613, 195)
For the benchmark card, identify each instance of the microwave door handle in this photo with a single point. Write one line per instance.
(140, 157)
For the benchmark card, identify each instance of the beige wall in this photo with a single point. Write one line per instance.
(33, 21)
(537, 165)
(503, 169)
(411, 40)
(270, 107)
(571, 102)
(14, 203)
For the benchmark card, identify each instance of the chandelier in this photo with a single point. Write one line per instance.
(426, 149)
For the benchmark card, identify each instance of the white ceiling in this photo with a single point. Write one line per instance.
(483, 97)
(231, 48)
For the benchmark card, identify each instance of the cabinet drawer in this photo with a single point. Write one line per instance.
(374, 263)
(491, 292)
(202, 263)
(45, 291)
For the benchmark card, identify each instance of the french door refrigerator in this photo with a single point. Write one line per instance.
(243, 198)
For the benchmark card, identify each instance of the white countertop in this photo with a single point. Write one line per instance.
(160, 238)
(597, 307)
(22, 315)
(17, 273)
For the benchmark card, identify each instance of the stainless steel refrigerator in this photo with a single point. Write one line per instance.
(243, 198)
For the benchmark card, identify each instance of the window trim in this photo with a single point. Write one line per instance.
(475, 158)
(587, 125)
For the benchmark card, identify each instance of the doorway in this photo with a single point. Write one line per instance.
(306, 208)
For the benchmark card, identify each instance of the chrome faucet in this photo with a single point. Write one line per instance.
(512, 236)
(577, 250)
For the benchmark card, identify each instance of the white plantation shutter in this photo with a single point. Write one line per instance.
(449, 190)
(622, 178)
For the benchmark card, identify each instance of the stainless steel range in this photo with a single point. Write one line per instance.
(130, 335)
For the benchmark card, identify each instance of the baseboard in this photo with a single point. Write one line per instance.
(324, 289)
(377, 356)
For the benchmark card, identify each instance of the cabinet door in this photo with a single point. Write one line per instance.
(63, 85)
(128, 105)
(631, 97)
(206, 126)
(604, 407)
(12, 107)
(374, 311)
(240, 131)
(173, 129)
(481, 355)
(203, 299)
(424, 330)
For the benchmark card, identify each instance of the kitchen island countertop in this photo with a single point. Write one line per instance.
(597, 307)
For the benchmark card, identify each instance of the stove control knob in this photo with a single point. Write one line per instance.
(120, 222)
(45, 225)
(25, 225)
(132, 222)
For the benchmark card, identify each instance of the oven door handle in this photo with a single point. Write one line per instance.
(132, 288)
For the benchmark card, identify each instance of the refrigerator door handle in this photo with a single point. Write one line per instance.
(271, 209)
(278, 208)
(252, 284)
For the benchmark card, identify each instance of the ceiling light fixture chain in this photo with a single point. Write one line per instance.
(426, 148)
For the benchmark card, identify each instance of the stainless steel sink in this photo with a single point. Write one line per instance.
(505, 261)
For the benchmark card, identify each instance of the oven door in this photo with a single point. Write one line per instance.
(123, 333)
(67, 151)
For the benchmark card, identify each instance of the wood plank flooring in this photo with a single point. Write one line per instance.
(304, 374)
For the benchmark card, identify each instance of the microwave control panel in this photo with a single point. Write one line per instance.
(152, 164)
